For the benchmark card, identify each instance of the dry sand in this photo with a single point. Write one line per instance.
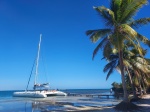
(143, 103)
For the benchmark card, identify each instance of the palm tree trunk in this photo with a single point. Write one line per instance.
(139, 81)
(141, 93)
(131, 82)
(140, 86)
(145, 83)
(144, 88)
(125, 99)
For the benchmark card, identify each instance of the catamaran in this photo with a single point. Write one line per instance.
(39, 90)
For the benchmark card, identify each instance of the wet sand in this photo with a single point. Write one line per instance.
(57, 104)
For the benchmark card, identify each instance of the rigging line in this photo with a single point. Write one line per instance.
(30, 75)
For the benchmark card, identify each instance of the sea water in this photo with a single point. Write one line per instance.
(8, 103)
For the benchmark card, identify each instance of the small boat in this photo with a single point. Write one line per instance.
(40, 90)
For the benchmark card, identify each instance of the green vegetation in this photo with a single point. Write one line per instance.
(121, 45)
(133, 63)
(117, 87)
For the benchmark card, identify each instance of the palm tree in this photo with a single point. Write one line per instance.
(120, 23)
(131, 61)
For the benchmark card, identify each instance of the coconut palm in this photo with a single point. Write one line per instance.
(141, 79)
(131, 61)
(120, 30)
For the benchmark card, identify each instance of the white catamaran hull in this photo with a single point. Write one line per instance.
(39, 94)
(31, 94)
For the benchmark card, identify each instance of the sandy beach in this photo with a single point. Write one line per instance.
(143, 103)
(144, 106)
(64, 104)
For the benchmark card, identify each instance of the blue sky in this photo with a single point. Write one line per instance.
(66, 50)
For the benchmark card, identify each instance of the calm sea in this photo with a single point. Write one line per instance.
(87, 91)
(8, 94)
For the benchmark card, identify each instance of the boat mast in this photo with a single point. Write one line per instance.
(37, 60)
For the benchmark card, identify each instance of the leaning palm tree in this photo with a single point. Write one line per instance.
(120, 29)
(131, 61)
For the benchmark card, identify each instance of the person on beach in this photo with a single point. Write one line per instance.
(110, 91)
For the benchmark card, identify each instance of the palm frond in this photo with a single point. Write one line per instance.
(131, 9)
(140, 22)
(107, 50)
(95, 35)
(115, 7)
(137, 65)
(109, 73)
(140, 60)
(113, 57)
(126, 63)
(126, 29)
(110, 67)
(148, 60)
(131, 35)
(135, 52)
(135, 45)
(143, 39)
(106, 14)
(100, 45)
(128, 54)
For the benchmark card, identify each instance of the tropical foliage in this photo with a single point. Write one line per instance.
(120, 33)
(132, 62)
